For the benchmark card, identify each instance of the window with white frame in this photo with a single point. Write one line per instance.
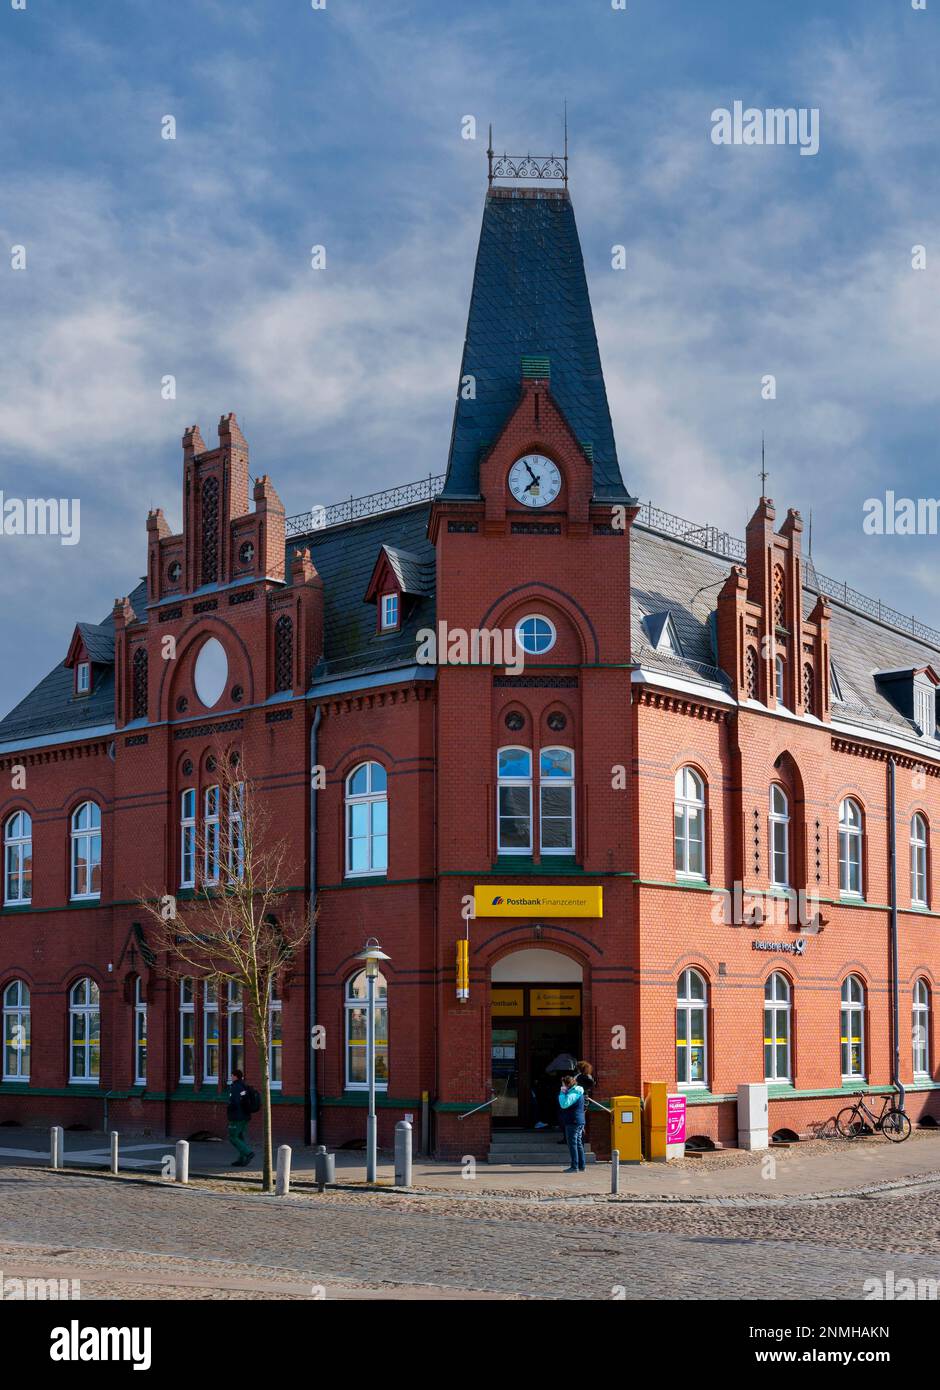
(357, 1016)
(535, 634)
(140, 1034)
(780, 677)
(853, 1029)
(691, 1050)
(925, 705)
(556, 801)
(850, 848)
(18, 860)
(777, 1028)
(779, 837)
(86, 851)
(236, 1028)
(83, 677)
(920, 1028)
(16, 1031)
(275, 1039)
(367, 820)
(187, 1031)
(919, 861)
(84, 1033)
(188, 838)
(211, 834)
(236, 843)
(514, 801)
(210, 1031)
(689, 823)
(389, 611)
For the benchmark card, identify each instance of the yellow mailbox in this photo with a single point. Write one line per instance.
(654, 1120)
(626, 1129)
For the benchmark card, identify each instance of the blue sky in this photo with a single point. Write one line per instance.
(342, 127)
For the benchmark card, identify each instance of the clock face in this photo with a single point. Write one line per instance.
(534, 480)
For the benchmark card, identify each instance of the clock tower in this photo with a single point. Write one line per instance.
(531, 531)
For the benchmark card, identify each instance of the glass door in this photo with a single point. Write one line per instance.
(505, 1063)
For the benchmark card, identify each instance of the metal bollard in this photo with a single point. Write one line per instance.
(615, 1172)
(403, 1154)
(114, 1151)
(282, 1180)
(324, 1167)
(182, 1160)
(56, 1146)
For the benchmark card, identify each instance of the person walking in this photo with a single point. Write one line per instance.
(239, 1113)
(571, 1102)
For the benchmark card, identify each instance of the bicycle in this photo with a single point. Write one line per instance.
(891, 1121)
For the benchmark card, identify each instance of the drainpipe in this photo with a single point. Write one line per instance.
(312, 947)
(893, 884)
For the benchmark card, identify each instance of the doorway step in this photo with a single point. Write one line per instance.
(527, 1147)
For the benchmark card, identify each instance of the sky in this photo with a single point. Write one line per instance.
(343, 126)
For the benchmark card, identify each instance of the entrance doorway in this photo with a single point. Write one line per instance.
(532, 1025)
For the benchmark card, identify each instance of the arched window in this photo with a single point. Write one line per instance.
(850, 848)
(919, 861)
(211, 833)
(210, 1031)
(16, 1032)
(140, 694)
(140, 1034)
(187, 1031)
(920, 1028)
(779, 837)
(188, 838)
(276, 1038)
(777, 1028)
(689, 823)
(86, 851)
(780, 679)
(514, 801)
(556, 801)
(853, 1029)
(691, 1002)
(18, 860)
(84, 1032)
(357, 1011)
(284, 653)
(236, 1028)
(367, 820)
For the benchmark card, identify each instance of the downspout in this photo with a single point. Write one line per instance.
(893, 884)
(313, 1100)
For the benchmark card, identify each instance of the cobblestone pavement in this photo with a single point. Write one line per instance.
(133, 1238)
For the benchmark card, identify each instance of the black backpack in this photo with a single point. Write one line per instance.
(254, 1100)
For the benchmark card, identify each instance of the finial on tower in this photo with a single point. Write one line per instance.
(763, 468)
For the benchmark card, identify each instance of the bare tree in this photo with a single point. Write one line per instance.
(237, 928)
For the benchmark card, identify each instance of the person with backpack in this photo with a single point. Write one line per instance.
(571, 1103)
(240, 1109)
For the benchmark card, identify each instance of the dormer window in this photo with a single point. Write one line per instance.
(662, 634)
(83, 678)
(389, 610)
(925, 710)
(835, 689)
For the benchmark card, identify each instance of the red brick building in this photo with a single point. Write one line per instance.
(627, 733)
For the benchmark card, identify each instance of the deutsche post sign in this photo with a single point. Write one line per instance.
(513, 900)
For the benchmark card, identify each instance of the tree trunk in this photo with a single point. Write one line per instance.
(261, 1031)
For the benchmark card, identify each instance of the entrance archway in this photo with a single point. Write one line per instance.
(535, 1020)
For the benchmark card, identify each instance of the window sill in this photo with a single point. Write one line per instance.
(380, 876)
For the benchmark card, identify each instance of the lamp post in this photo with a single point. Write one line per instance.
(371, 955)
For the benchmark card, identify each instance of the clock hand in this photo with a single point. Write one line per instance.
(531, 474)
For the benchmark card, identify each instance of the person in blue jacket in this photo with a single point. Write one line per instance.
(571, 1102)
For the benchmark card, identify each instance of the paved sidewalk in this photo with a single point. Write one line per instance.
(816, 1167)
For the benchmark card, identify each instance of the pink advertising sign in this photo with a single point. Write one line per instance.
(675, 1119)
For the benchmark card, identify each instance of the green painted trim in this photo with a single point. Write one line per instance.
(18, 1089)
(530, 871)
(564, 866)
(359, 1100)
(696, 885)
(95, 904)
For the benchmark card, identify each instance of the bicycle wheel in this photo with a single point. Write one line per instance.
(895, 1125)
(849, 1123)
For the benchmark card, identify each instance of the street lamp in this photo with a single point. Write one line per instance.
(371, 955)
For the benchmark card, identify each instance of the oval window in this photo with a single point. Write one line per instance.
(211, 674)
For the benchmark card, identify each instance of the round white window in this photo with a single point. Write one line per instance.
(211, 674)
(535, 634)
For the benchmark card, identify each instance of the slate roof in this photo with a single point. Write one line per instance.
(530, 298)
(415, 574)
(99, 641)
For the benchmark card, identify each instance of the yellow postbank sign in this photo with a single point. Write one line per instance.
(515, 900)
